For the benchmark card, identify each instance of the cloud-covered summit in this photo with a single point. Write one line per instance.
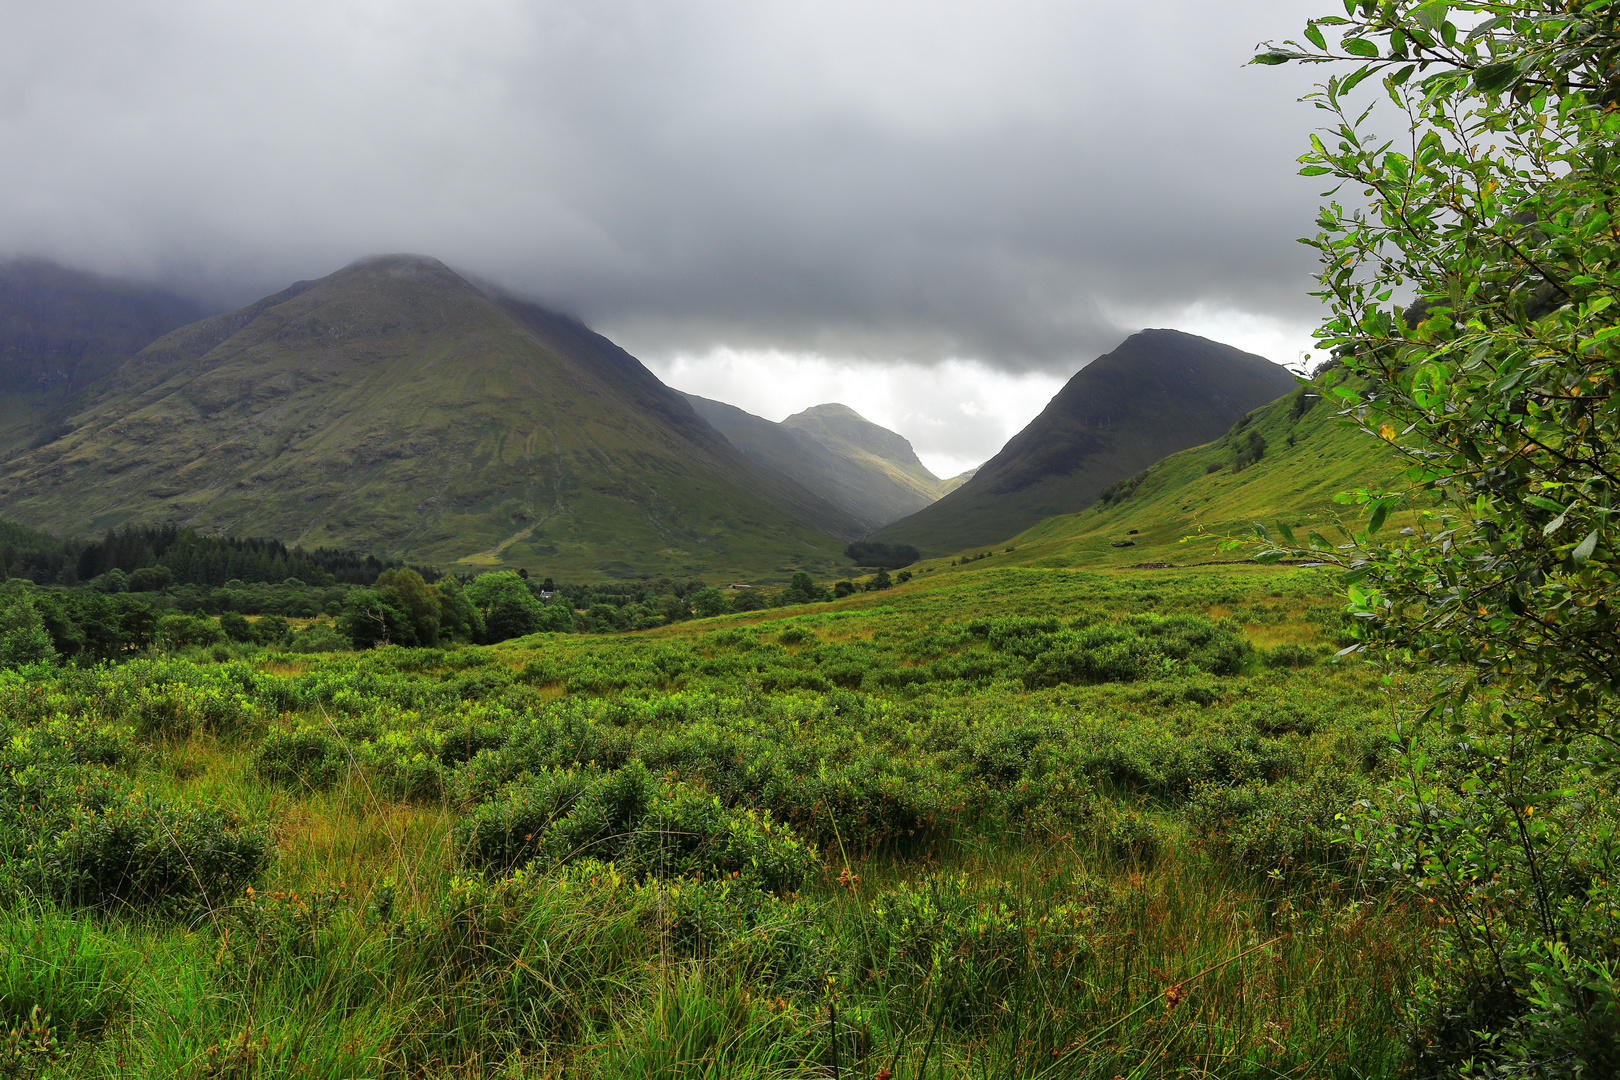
(900, 181)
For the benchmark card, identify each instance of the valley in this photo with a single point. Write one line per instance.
(561, 652)
(1055, 806)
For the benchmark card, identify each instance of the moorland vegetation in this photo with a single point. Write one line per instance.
(1049, 808)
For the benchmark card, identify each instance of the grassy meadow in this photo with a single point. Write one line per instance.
(999, 821)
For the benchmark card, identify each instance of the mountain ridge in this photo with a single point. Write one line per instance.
(869, 471)
(395, 406)
(1111, 420)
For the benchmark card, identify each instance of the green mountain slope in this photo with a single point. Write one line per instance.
(62, 329)
(1159, 392)
(1310, 455)
(868, 471)
(958, 480)
(395, 407)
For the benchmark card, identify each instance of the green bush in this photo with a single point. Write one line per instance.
(623, 817)
(518, 965)
(306, 758)
(140, 852)
(235, 626)
(971, 941)
(1128, 834)
(317, 638)
(186, 631)
(1285, 825)
(69, 969)
(1290, 656)
(270, 629)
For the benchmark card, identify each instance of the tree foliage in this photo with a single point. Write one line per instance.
(877, 553)
(1471, 259)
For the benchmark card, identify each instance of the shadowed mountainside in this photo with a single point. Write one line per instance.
(1159, 392)
(395, 407)
(864, 469)
(62, 329)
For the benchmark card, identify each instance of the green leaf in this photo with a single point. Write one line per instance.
(1494, 78)
(1288, 533)
(1380, 512)
(1359, 47)
(1583, 550)
(1553, 526)
(1355, 77)
(1313, 34)
(1431, 15)
(1400, 77)
(1314, 170)
(1545, 504)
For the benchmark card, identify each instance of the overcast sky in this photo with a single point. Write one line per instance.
(934, 212)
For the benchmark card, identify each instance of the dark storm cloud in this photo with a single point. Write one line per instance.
(881, 180)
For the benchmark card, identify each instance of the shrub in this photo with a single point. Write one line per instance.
(23, 637)
(138, 851)
(521, 962)
(1284, 825)
(1129, 834)
(1290, 656)
(708, 603)
(622, 817)
(82, 987)
(317, 638)
(271, 630)
(981, 938)
(405, 765)
(309, 758)
(184, 631)
(874, 553)
(235, 627)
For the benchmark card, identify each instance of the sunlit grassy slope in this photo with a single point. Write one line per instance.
(1198, 492)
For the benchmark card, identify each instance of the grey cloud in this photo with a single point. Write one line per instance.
(871, 180)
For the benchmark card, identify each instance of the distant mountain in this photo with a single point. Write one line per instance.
(61, 330)
(866, 470)
(1159, 392)
(395, 407)
(958, 480)
(1282, 462)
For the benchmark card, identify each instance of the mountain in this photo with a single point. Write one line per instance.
(396, 407)
(1159, 392)
(62, 329)
(958, 480)
(866, 470)
(1221, 489)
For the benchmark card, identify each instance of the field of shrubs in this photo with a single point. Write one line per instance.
(1131, 830)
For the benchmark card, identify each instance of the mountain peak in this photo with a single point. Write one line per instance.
(1158, 392)
(855, 464)
(400, 264)
(834, 424)
(397, 407)
(832, 410)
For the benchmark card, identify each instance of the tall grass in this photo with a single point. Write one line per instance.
(1010, 884)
